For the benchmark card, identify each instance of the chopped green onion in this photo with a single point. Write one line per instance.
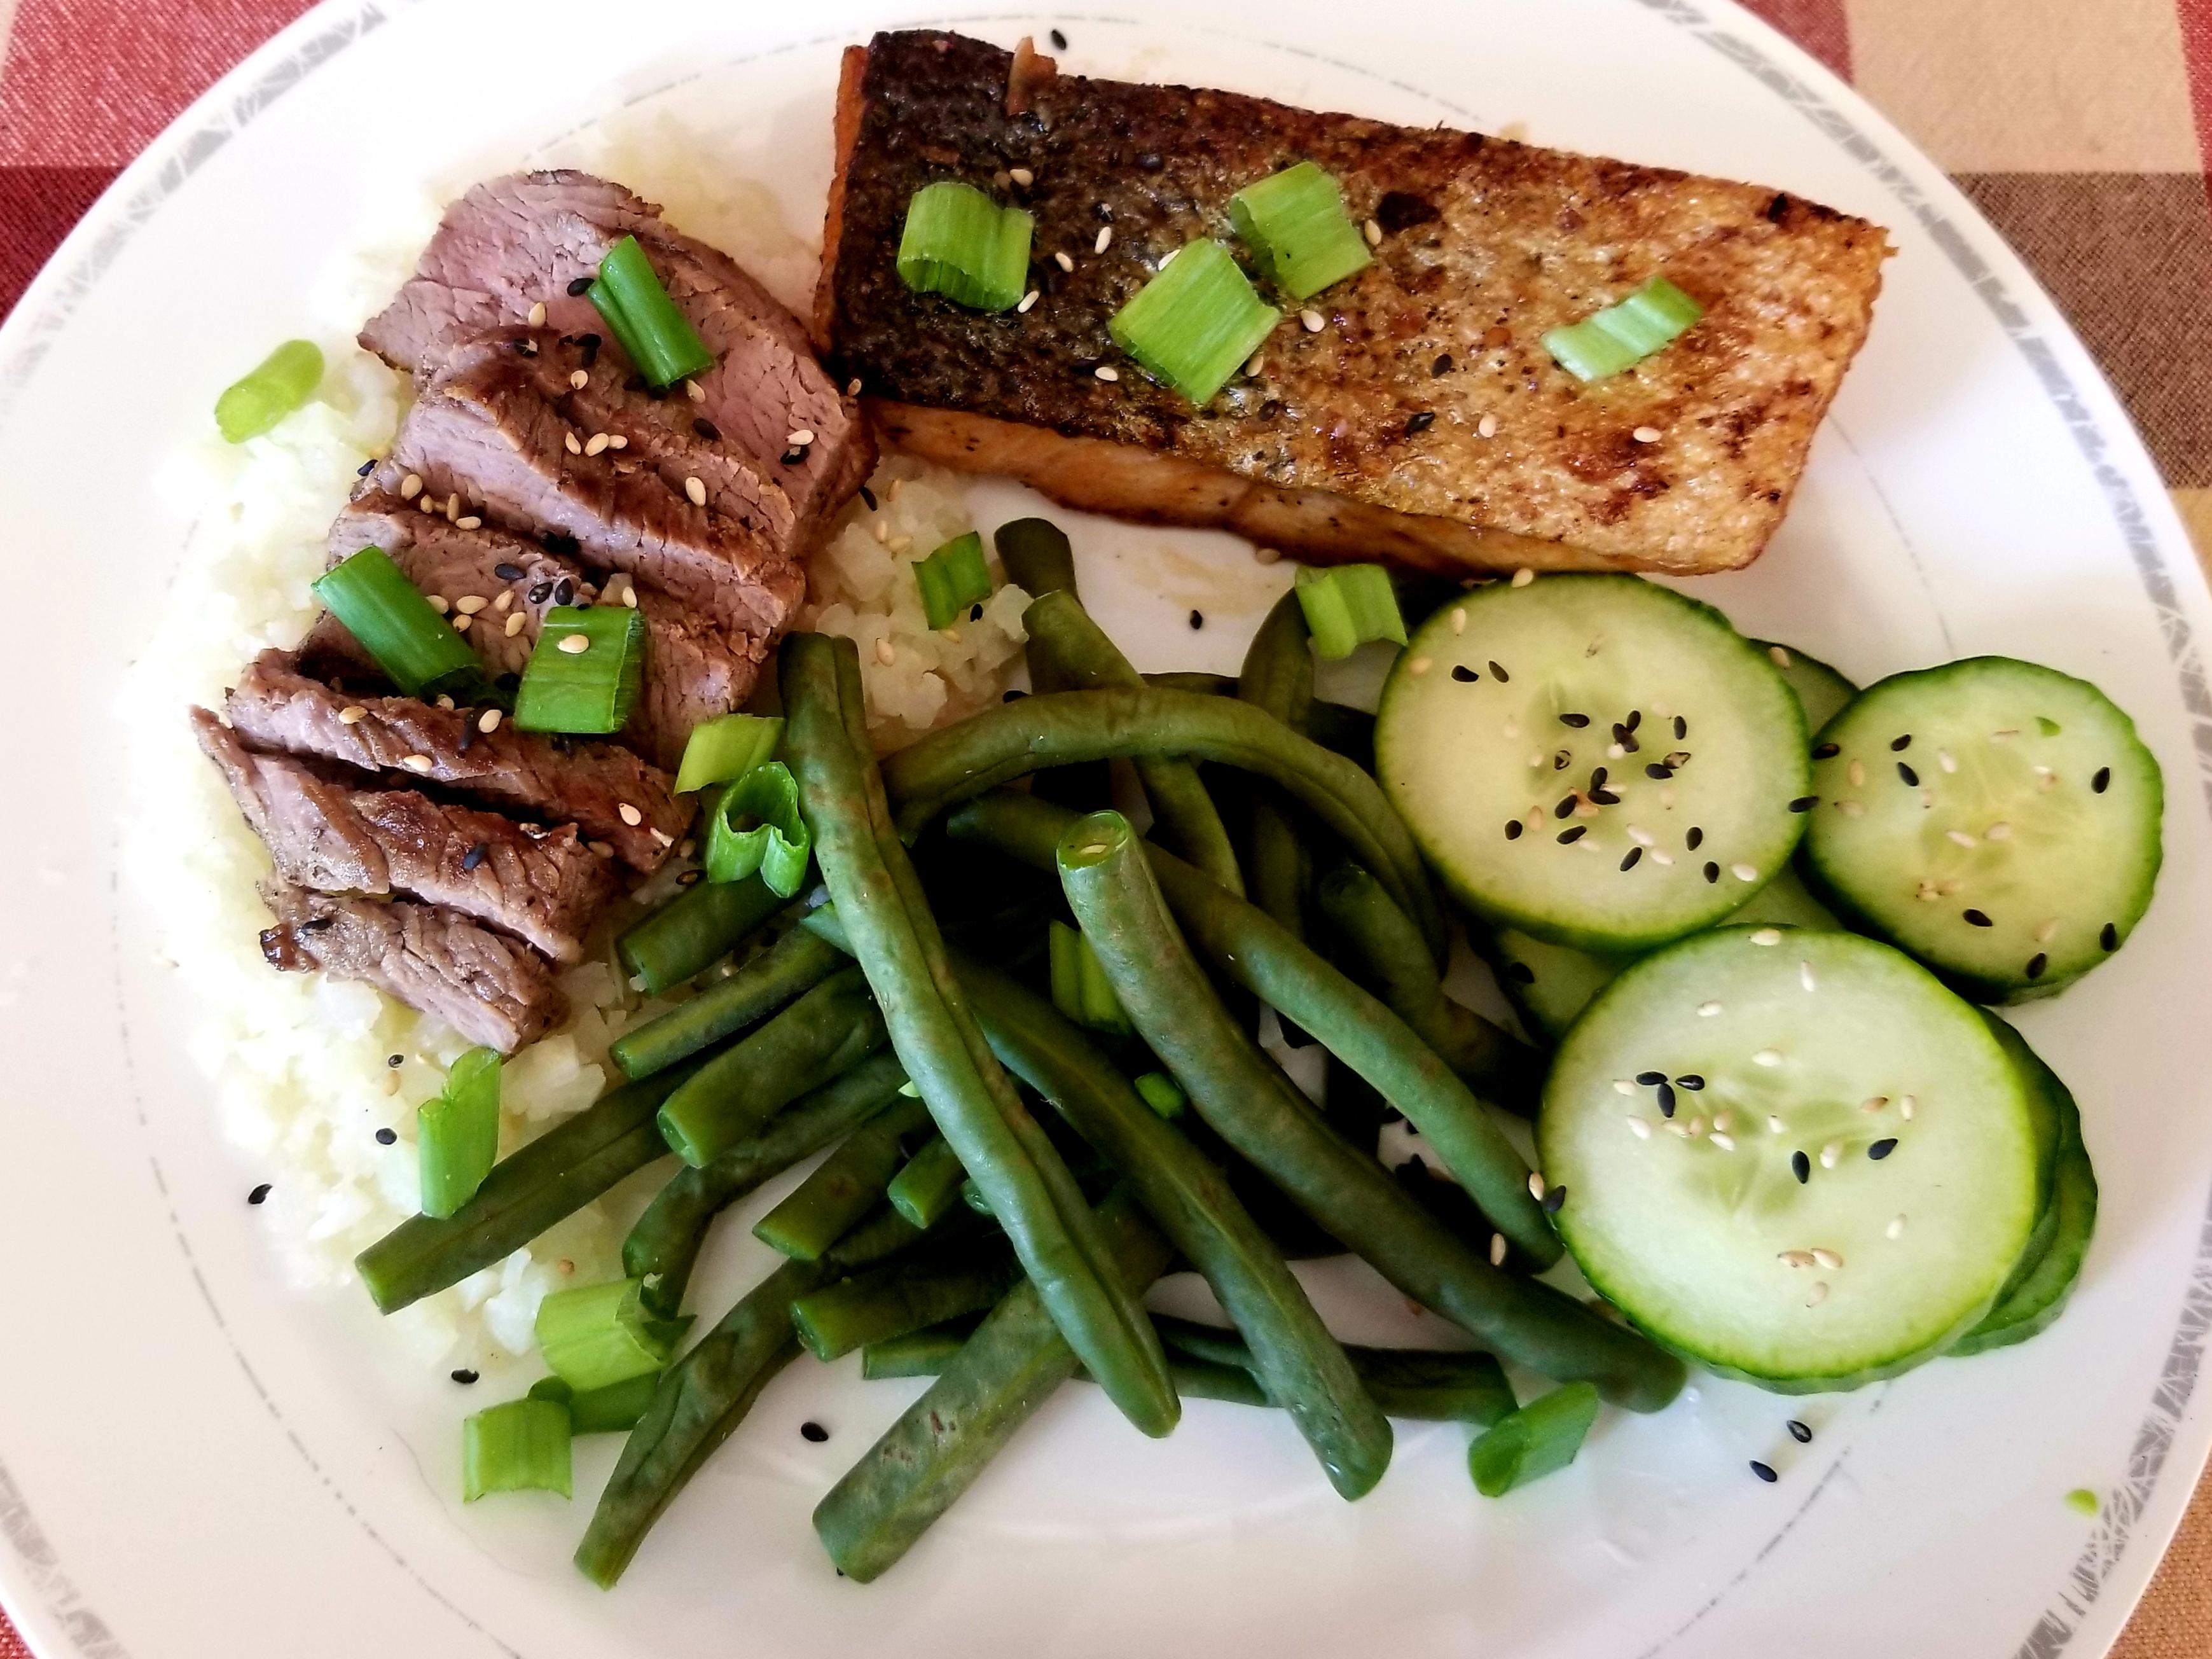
(597, 1335)
(522, 1446)
(1295, 224)
(1348, 605)
(1163, 1094)
(953, 578)
(960, 243)
(589, 688)
(1623, 335)
(645, 322)
(416, 648)
(778, 843)
(1195, 321)
(457, 1133)
(724, 749)
(282, 381)
(614, 1409)
(1544, 1435)
(1080, 988)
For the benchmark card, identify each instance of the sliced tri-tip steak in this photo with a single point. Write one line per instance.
(508, 434)
(542, 885)
(488, 989)
(694, 669)
(526, 240)
(604, 790)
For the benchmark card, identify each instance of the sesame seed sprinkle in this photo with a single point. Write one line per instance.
(698, 393)
(1536, 1186)
(1832, 1154)
(1723, 1139)
(1874, 1103)
(596, 444)
(1707, 1009)
(1896, 1228)
(1960, 837)
(576, 644)
(538, 314)
(1827, 1258)
(2048, 932)
(1028, 302)
(1487, 426)
(488, 722)
(630, 814)
(1794, 1258)
(1313, 320)
(1498, 1246)
(411, 486)
(1904, 1107)
(1373, 232)
(516, 622)
(568, 440)
(1640, 1127)
(1646, 434)
(353, 715)
(1767, 936)
(1063, 261)
(1781, 655)
(1998, 831)
(886, 653)
(1799, 1433)
(1420, 665)
(418, 763)
(1883, 1148)
(1022, 176)
(1522, 578)
(1773, 1124)
(1744, 871)
(1621, 1085)
(1764, 1471)
(1947, 760)
(1817, 1294)
(697, 491)
(1767, 1057)
(1105, 239)
(1806, 978)
(1107, 372)
(580, 380)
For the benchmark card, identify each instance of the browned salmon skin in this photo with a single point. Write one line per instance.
(1422, 420)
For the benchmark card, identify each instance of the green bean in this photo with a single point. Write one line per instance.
(1349, 731)
(615, 1408)
(1299, 1363)
(796, 962)
(1543, 1436)
(845, 1186)
(1278, 677)
(1422, 1385)
(665, 1243)
(924, 1191)
(1083, 658)
(1352, 1023)
(824, 1034)
(1017, 737)
(695, 930)
(1111, 889)
(1385, 952)
(913, 1292)
(1036, 555)
(1353, 1107)
(527, 1191)
(942, 1442)
(880, 906)
(924, 1352)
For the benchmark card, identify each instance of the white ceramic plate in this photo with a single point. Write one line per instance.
(194, 1461)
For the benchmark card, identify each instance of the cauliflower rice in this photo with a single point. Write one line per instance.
(308, 1069)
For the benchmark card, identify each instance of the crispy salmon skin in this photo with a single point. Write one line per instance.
(1423, 420)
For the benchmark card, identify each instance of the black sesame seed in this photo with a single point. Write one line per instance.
(1635, 719)
(1665, 1096)
(689, 878)
(2110, 937)
(1499, 674)
(386, 1137)
(1059, 41)
(1513, 829)
(794, 456)
(1653, 769)
(975, 613)
(1441, 366)
(2036, 964)
(1149, 161)
(1908, 775)
(1577, 721)
(1899, 745)
(635, 383)
(1628, 860)
(1804, 803)
(1651, 1080)
(1463, 674)
(706, 428)
(1826, 750)
(1565, 807)
(315, 924)
(540, 593)
(814, 1432)
(579, 287)
(364, 468)
(1568, 837)
(1605, 798)
(1695, 839)
(1977, 919)
(1691, 1081)
(869, 497)
(464, 1377)
(565, 591)
(1883, 1148)
(476, 855)
(1561, 760)
(1801, 1167)
(1799, 1433)
(2103, 781)
(1678, 760)
(1597, 777)
(1419, 423)
(259, 1194)
(1197, 619)
(1522, 971)
(1681, 728)
(1554, 1199)
(1765, 1472)
(1712, 873)
(1627, 741)
(395, 1060)
(508, 572)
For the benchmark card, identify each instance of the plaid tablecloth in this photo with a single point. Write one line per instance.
(2083, 128)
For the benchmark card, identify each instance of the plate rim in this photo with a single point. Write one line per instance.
(36, 1592)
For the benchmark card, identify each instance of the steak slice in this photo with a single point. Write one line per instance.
(489, 989)
(1424, 417)
(605, 790)
(515, 242)
(507, 433)
(542, 887)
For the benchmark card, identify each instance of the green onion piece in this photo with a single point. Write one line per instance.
(1347, 604)
(587, 689)
(1163, 1094)
(726, 748)
(1544, 1435)
(953, 578)
(1195, 322)
(457, 1133)
(597, 1335)
(1080, 989)
(1295, 224)
(522, 1446)
(645, 322)
(282, 381)
(614, 1409)
(1623, 335)
(960, 243)
(777, 845)
(416, 648)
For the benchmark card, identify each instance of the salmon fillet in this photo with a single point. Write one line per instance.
(1423, 421)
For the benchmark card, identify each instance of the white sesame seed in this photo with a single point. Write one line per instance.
(1640, 1127)
(1724, 1122)
(462, 623)
(502, 599)
(883, 530)
(1874, 1103)
(1459, 619)
(428, 504)
(2048, 932)
(1856, 773)
(1523, 578)
(1794, 1258)
(1767, 936)
(1028, 302)
(1896, 1228)
(596, 444)
(886, 653)
(1707, 1009)
(1063, 262)
(1107, 372)
(1373, 232)
(1999, 831)
(1817, 1294)
(899, 544)
(1498, 1250)
(1487, 426)
(537, 315)
(1767, 1057)
(1021, 176)
(1832, 1154)
(1167, 258)
(685, 847)
(1313, 321)
(1105, 239)
(1512, 727)
(1614, 751)
(2009, 732)
(574, 448)
(1945, 759)
(629, 597)
(1420, 665)
(1851, 809)
(1744, 871)
(468, 521)
(1828, 1258)
(1268, 555)
(454, 505)
(1678, 1128)
(1664, 860)
(1667, 796)
(800, 438)
(1773, 1124)
(853, 387)
(580, 380)
(1905, 1103)
(1621, 1085)
(576, 644)
(418, 763)
(411, 486)
(514, 622)
(1641, 836)
(1805, 976)
(1536, 1185)
(695, 391)
(352, 715)
(1645, 435)
(601, 849)
(488, 720)
(1725, 1141)
(697, 491)
(662, 837)
(1697, 1126)
(1961, 838)
(469, 604)
(438, 603)
(446, 703)
(630, 814)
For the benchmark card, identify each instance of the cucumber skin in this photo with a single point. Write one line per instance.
(2006, 991)
(1599, 943)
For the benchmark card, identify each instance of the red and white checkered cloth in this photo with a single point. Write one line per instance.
(2083, 128)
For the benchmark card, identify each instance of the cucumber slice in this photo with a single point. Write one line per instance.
(1592, 759)
(1821, 691)
(2040, 1285)
(1862, 1267)
(1997, 819)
